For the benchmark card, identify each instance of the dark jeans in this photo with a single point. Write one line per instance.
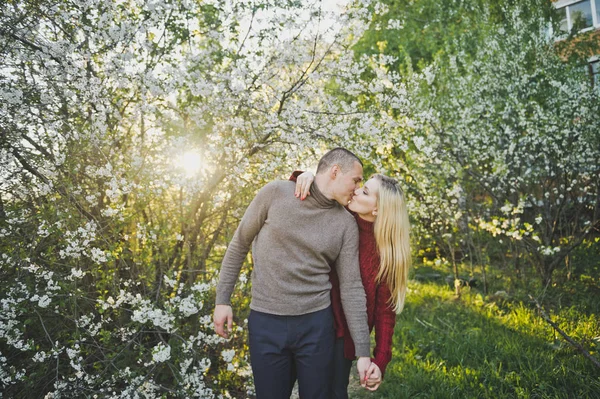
(341, 371)
(283, 348)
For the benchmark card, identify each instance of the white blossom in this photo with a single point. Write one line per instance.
(161, 353)
(228, 355)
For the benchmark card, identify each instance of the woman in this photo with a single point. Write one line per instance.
(384, 255)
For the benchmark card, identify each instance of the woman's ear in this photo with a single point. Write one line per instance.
(375, 212)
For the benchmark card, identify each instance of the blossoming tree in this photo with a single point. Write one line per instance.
(505, 145)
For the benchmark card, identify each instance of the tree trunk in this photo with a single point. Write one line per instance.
(455, 271)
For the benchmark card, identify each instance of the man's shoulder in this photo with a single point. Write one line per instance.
(280, 186)
(276, 189)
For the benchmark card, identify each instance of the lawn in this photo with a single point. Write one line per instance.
(493, 346)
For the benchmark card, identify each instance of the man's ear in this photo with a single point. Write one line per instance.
(334, 171)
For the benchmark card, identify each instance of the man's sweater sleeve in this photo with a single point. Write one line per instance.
(240, 244)
(354, 301)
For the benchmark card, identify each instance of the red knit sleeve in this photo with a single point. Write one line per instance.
(295, 175)
(385, 320)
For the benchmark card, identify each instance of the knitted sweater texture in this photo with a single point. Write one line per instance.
(295, 244)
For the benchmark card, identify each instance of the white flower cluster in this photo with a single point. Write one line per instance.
(395, 24)
(5, 376)
(42, 301)
(98, 255)
(87, 323)
(75, 360)
(158, 317)
(548, 251)
(40, 357)
(78, 241)
(228, 355)
(194, 382)
(189, 306)
(161, 353)
(76, 273)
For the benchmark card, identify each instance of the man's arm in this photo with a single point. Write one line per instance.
(354, 301)
(352, 292)
(238, 248)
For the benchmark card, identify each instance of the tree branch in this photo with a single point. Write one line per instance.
(43, 178)
(570, 340)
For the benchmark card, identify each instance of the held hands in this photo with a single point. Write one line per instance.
(363, 365)
(303, 183)
(223, 314)
(373, 377)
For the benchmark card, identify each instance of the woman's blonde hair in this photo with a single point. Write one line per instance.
(392, 236)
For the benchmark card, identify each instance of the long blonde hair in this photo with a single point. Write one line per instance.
(392, 236)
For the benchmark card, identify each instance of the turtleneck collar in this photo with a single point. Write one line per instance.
(320, 198)
(364, 225)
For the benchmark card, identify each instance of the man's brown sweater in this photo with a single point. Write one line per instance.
(293, 245)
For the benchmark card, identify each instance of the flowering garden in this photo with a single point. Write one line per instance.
(133, 134)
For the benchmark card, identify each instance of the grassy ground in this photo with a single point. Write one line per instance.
(493, 346)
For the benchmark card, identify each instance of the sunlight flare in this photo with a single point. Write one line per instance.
(190, 162)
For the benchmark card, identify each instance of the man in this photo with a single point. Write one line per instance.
(294, 245)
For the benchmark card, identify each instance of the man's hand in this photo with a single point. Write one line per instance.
(373, 377)
(362, 366)
(223, 314)
(303, 183)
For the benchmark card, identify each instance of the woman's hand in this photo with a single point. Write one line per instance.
(373, 377)
(303, 183)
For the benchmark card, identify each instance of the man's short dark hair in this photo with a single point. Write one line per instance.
(338, 156)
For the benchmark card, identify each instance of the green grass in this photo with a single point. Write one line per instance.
(486, 347)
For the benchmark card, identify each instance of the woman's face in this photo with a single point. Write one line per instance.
(364, 202)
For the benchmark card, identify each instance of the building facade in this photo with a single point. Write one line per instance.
(580, 22)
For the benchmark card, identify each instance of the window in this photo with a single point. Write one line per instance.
(564, 21)
(577, 16)
(595, 72)
(581, 15)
